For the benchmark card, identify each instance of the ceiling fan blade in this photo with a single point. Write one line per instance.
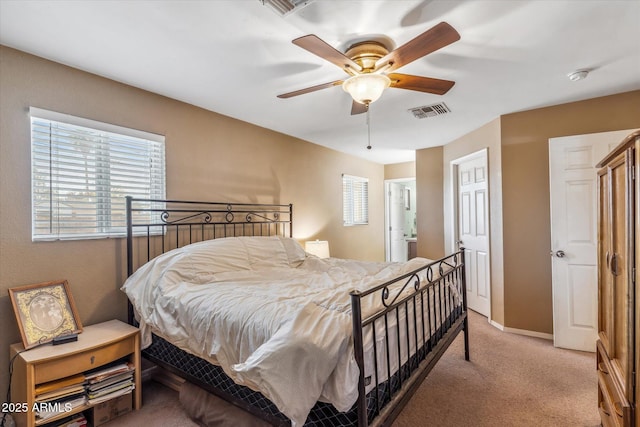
(319, 47)
(310, 89)
(357, 108)
(431, 40)
(421, 84)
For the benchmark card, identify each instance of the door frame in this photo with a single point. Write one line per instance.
(453, 175)
(387, 237)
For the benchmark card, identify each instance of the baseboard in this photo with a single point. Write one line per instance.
(496, 325)
(529, 333)
(525, 332)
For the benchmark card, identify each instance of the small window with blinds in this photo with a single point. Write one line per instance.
(355, 200)
(81, 171)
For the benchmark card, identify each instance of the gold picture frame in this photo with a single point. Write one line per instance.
(44, 311)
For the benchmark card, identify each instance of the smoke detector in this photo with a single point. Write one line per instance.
(430, 110)
(578, 75)
(285, 7)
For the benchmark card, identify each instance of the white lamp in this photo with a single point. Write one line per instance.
(319, 248)
(366, 88)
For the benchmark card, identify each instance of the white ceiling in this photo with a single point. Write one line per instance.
(234, 57)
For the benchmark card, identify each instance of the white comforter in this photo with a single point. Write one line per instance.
(280, 327)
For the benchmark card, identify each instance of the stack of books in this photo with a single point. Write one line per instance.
(76, 420)
(59, 396)
(109, 382)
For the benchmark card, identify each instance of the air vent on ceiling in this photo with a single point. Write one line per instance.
(430, 110)
(285, 7)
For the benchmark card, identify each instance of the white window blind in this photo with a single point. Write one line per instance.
(81, 171)
(355, 200)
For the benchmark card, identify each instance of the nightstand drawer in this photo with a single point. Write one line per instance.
(84, 361)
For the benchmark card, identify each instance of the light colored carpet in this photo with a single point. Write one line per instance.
(511, 380)
(160, 408)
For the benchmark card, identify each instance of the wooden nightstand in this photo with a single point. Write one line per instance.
(97, 346)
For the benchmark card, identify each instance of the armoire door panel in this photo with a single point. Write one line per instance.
(618, 264)
(605, 288)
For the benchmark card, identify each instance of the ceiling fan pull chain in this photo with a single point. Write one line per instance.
(368, 128)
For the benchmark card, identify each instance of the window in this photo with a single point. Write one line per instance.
(355, 200)
(81, 171)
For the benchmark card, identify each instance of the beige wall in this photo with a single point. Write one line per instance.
(517, 146)
(209, 157)
(400, 170)
(487, 138)
(429, 211)
(525, 181)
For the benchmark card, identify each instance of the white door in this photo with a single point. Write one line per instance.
(397, 242)
(574, 236)
(473, 229)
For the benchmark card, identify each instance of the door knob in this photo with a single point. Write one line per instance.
(559, 254)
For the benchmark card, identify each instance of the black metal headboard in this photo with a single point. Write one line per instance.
(158, 226)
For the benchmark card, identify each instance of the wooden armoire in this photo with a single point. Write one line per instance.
(618, 351)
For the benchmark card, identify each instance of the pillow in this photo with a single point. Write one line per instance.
(265, 252)
(196, 263)
(217, 255)
(200, 262)
(295, 251)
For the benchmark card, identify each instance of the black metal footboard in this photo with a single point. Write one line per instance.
(396, 347)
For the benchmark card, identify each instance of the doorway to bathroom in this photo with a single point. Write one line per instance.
(400, 219)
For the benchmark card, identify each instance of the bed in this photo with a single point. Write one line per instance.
(226, 298)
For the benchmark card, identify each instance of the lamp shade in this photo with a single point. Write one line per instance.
(366, 88)
(319, 248)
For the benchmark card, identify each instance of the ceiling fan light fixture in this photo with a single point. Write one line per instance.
(366, 88)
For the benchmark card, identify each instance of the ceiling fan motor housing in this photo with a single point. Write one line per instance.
(366, 54)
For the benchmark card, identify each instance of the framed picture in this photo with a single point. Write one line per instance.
(44, 311)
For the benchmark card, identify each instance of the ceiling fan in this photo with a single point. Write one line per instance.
(370, 66)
